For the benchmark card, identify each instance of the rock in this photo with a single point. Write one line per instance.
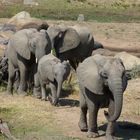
(21, 19)
(4, 129)
(81, 17)
(38, 25)
(130, 62)
(7, 27)
(19, 16)
(30, 2)
(6, 35)
(3, 41)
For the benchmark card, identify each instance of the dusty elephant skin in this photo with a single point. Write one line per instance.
(23, 49)
(102, 81)
(74, 43)
(54, 72)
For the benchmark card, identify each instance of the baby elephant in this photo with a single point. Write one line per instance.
(53, 72)
(102, 81)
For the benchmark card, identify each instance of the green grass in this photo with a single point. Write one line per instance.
(64, 10)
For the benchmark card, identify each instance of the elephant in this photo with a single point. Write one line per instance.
(51, 71)
(74, 43)
(98, 45)
(105, 52)
(102, 81)
(24, 49)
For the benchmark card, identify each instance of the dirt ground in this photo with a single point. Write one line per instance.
(33, 119)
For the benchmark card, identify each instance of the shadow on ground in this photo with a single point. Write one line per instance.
(66, 92)
(69, 102)
(124, 130)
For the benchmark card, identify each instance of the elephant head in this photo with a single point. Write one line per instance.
(61, 72)
(63, 38)
(113, 75)
(31, 41)
(105, 72)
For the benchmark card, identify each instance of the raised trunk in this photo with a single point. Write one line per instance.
(118, 100)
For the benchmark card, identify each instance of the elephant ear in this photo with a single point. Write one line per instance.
(70, 40)
(89, 77)
(22, 46)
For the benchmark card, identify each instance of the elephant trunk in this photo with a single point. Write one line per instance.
(118, 100)
(59, 88)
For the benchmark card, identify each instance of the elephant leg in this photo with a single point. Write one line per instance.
(43, 91)
(23, 79)
(11, 71)
(92, 126)
(53, 87)
(110, 131)
(17, 78)
(83, 114)
(37, 90)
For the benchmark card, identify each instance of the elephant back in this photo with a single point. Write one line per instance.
(46, 64)
(84, 34)
(89, 77)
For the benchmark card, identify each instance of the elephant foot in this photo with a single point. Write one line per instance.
(22, 93)
(83, 126)
(110, 137)
(44, 99)
(92, 134)
(37, 96)
(37, 93)
(8, 93)
(53, 101)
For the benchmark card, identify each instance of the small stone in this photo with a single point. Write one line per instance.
(81, 17)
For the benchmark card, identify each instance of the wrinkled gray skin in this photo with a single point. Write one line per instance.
(23, 49)
(102, 82)
(51, 71)
(104, 52)
(74, 43)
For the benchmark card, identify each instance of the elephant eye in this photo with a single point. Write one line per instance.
(104, 74)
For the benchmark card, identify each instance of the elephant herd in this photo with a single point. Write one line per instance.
(102, 79)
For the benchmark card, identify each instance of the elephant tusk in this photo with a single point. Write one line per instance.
(51, 51)
(36, 60)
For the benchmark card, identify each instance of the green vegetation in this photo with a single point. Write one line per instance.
(67, 10)
(135, 73)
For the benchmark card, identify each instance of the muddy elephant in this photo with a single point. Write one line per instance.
(52, 71)
(102, 82)
(24, 48)
(74, 43)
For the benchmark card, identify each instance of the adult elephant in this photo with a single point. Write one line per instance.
(102, 81)
(24, 48)
(75, 44)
